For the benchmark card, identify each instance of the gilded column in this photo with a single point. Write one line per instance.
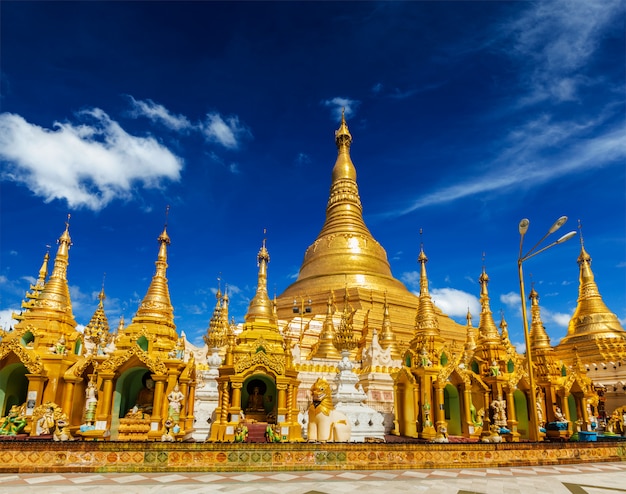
(184, 389)
(288, 418)
(441, 414)
(225, 402)
(486, 418)
(190, 407)
(157, 404)
(68, 398)
(467, 414)
(104, 404)
(36, 383)
(511, 415)
(236, 398)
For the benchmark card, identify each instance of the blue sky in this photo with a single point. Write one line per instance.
(466, 117)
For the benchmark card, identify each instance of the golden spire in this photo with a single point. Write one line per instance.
(344, 246)
(56, 294)
(592, 319)
(538, 336)
(224, 311)
(326, 347)
(544, 361)
(470, 342)
(387, 337)
(98, 328)
(260, 308)
(217, 332)
(43, 272)
(426, 322)
(487, 330)
(156, 306)
(344, 337)
(344, 209)
(36, 288)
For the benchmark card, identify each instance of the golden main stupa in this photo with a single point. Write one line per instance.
(346, 334)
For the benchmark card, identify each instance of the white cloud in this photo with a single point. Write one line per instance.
(339, 104)
(524, 157)
(158, 113)
(411, 279)
(552, 44)
(451, 301)
(88, 164)
(557, 39)
(511, 299)
(6, 321)
(227, 132)
(303, 160)
(455, 303)
(558, 318)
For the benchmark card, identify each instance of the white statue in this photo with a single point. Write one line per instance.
(175, 399)
(326, 423)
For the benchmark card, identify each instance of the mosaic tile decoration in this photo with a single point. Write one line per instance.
(28, 456)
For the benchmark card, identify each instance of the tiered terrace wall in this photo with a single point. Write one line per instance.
(40, 456)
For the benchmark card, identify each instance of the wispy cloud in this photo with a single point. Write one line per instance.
(302, 160)
(556, 39)
(227, 132)
(339, 104)
(6, 321)
(550, 44)
(524, 155)
(511, 299)
(453, 302)
(159, 114)
(88, 164)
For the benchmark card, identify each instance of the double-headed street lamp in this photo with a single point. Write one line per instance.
(523, 228)
(302, 309)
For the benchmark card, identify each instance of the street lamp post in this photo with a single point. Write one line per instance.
(523, 228)
(302, 309)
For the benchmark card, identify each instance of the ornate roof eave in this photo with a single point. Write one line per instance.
(260, 359)
(118, 358)
(29, 357)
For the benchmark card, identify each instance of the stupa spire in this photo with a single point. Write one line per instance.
(538, 336)
(326, 347)
(488, 332)
(43, 272)
(56, 294)
(426, 320)
(344, 336)
(218, 327)
(261, 306)
(344, 211)
(97, 331)
(592, 317)
(156, 305)
(470, 341)
(387, 338)
(36, 289)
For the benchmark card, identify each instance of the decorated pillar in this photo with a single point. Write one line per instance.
(68, 399)
(104, 404)
(467, 414)
(157, 405)
(511, 415)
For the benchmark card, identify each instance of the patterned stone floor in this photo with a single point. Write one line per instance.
(588, 478)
